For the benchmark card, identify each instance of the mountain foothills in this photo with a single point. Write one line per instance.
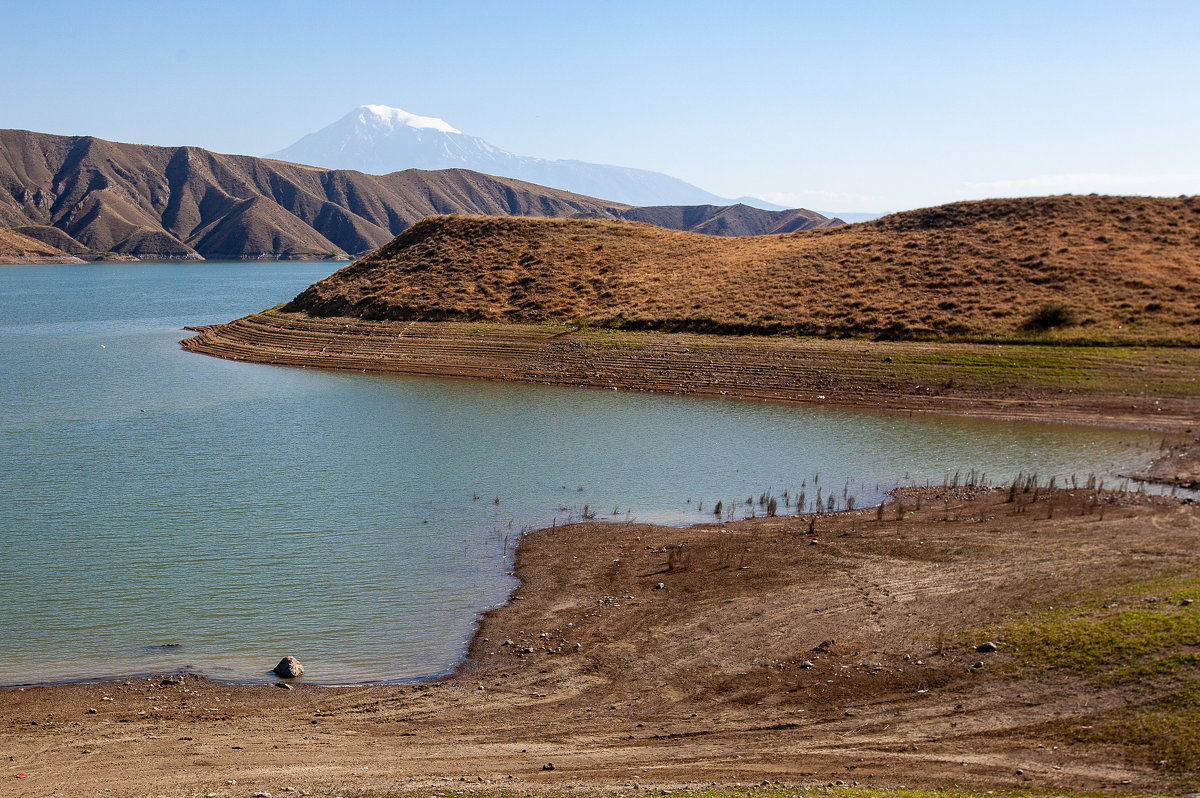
(17, 248)
(1093, 268)
(377, 139)
(86, 196)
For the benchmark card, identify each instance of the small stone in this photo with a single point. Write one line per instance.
(507, 643)
(986, 648)
(659, 586)
(1186, 602)
(806, 664)
(284, 685)
(262, 794)
(289, 668)
(91, 710)
(978, 665)
(548, 766)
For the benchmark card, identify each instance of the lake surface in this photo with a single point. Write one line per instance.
(163, 510)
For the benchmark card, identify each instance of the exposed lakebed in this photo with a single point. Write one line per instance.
(163, 510)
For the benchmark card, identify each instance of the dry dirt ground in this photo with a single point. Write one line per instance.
(1179, 466)
(793, 650)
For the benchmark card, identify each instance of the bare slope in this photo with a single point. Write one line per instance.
(729, 220)
(186, 202)
(1097, 268)
(17, 248)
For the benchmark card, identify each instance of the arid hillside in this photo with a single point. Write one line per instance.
(181, 202)
(87, 197)
(16, 248)
(1092, 268)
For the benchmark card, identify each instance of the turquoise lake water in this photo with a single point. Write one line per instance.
(163, 511)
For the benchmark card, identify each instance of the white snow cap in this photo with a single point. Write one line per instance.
(394, 117)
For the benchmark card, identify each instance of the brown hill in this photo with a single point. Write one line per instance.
(179, 202)
(1084, 268)
(57, 239)
(16, 248)
(185, 202)
(729, 220)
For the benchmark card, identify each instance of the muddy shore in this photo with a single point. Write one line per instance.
(800, 650)
(1138, 387)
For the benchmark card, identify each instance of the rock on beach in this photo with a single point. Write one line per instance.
(289, 668)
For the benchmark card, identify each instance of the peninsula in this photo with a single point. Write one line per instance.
(1080, 308)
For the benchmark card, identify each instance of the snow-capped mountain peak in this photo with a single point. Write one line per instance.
(386, 116)
(378, 139)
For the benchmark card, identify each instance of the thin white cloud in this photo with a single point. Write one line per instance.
(1166, 185)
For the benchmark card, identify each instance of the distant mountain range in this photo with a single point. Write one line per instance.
(85, 196)
(377, 139)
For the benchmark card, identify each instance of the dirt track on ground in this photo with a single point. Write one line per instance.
(793, 650)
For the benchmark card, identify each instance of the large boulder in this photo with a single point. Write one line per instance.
(289, 668)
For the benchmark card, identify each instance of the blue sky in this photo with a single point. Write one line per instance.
(869, 106)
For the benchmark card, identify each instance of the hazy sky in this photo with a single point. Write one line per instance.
(840, 106)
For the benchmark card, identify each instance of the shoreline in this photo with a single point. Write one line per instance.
(777, 648)
(1155, 470)
(1132, 387)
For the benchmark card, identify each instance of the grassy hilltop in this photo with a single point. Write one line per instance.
(1057, 269)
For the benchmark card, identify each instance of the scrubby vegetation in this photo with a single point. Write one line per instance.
(1050, 316)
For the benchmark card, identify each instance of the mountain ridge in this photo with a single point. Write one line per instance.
(88, 196)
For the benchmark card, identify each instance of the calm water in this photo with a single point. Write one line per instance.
(162, 510)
